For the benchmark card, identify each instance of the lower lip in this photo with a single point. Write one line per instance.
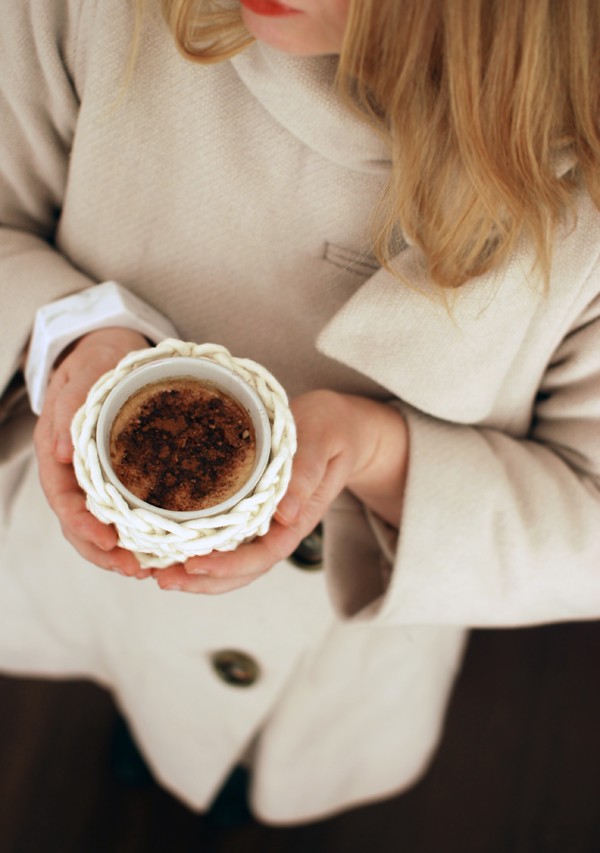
(268, 8)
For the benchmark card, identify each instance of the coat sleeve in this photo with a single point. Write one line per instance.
(39, 102)
(497, 530)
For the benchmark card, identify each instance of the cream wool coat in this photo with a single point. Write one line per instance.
(236, 199)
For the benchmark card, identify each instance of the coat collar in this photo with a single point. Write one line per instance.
(300, 93)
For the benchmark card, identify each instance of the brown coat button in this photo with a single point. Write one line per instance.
(236, 668)
(309, 553)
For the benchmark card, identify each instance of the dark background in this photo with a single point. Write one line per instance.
(518, 770)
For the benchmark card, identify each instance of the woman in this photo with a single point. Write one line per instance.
(394, 207)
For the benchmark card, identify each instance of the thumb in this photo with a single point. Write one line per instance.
(69, 397)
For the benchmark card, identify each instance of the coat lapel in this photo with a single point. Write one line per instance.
(446, 354)
(451, 354)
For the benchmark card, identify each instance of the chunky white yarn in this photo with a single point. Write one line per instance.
(156, 541)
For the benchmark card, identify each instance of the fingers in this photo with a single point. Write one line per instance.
(66, 394)
(246, 563)
(221, 572)
(176, 578)
(115, 560)
(67, 403)
(64, 495)
(322, 460)
(67, 390)
(91, 357)
(96, 542)
(309, 471)
(316, 482)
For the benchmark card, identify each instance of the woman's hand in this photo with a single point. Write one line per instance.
(343, 442)
(93, 355)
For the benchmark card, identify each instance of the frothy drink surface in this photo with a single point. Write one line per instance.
(182, 445)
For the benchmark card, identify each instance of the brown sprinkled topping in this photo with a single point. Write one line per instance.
(182, 445)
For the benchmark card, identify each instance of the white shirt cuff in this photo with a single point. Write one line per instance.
(60, 323)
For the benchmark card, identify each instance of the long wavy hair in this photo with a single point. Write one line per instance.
(491, 109)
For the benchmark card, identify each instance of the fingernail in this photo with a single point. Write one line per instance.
(172, 587)
(64, 448)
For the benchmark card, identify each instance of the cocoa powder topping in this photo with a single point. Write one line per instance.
(182, 445)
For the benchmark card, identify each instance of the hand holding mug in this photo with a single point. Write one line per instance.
(344, 441)
(92, 356)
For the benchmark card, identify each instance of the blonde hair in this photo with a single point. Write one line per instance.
(481, 102)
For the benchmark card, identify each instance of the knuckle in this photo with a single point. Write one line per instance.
(67, 533)
(62, 507)
(277, 551)
(205, 587)
(220, 572)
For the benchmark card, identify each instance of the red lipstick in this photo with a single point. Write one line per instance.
(269, 8)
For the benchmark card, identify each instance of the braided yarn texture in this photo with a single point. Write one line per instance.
(156, 541)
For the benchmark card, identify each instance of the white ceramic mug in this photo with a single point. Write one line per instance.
(204, 370)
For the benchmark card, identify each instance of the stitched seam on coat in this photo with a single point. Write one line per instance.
(348, 259)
